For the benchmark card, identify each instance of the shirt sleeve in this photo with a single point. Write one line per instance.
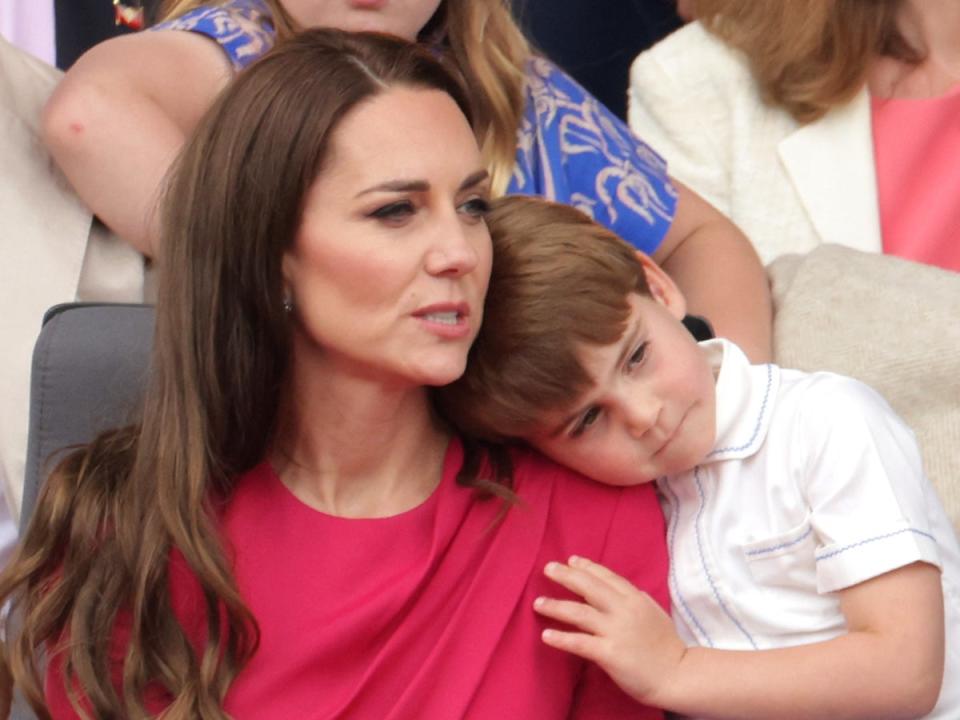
(636, 549)
(573, 150)
(871, 504)
(243, 28)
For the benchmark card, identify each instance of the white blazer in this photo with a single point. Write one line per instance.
(790, 188)
(47, 254)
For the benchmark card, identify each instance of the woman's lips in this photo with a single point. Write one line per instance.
(447, 320)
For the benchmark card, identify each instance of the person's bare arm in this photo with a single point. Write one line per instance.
(120, 115)
(888, 664)
(720, 274)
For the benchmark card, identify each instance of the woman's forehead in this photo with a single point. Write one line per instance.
(403, 132)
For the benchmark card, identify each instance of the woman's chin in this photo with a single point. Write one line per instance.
(443, 374)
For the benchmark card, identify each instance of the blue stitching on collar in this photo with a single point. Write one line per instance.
(834, 553)
(756, 429)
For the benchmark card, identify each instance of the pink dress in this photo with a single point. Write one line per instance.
(917, 150)
(426, 615)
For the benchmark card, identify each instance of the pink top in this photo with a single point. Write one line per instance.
(426, 615)
(917, 149)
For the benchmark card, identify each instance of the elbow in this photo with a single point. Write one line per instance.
(919, 691)
(67, 119)
(921, 698)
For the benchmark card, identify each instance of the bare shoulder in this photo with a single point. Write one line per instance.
(179, 71)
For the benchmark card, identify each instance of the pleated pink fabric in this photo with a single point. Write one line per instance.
(426, 615)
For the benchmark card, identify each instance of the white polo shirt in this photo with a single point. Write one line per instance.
(814, 485)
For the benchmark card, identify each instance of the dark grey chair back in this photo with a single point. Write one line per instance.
(89, 372)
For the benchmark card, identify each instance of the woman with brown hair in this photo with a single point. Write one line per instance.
(124, 109)
(815, 121)
(290, 530)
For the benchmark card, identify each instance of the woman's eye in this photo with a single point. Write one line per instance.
(638, 355)
(395, 211)
(586, 420)
(477, 207)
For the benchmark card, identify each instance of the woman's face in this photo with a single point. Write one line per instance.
(398, 17)
(389, 267)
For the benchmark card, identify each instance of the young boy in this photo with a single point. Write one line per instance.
(814, 572)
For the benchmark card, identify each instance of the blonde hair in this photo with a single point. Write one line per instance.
(491, 53)
(808, 56)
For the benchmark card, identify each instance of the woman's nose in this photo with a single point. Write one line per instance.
(454, 250)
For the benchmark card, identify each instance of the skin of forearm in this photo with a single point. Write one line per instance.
(722, 279)
(858, 675)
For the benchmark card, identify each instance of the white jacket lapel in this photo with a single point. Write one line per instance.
(831, 165)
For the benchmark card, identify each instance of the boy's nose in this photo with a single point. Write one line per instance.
(639, 415)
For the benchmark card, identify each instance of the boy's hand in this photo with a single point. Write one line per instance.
(622, 629)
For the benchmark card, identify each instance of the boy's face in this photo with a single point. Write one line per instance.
(652, 408)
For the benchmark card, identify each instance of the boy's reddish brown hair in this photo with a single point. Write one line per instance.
(559, 281)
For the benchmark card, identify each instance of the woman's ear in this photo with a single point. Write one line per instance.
(662, 287)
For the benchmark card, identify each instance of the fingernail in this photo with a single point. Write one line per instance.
(551, 568)
(576, 560)
(539, 602)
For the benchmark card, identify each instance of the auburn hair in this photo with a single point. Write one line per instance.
(809, 56)
(115, 516)
(559, 281)
(490, 52)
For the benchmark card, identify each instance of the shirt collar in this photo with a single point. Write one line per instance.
(745, 396)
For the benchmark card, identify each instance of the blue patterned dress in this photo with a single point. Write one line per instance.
(570, 148)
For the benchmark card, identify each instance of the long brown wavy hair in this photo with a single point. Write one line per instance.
(100, 542)
(809, 56)
(490, 51)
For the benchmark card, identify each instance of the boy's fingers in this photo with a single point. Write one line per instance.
(573, 613)
(588, 586)
(585, 646)
(617, 582)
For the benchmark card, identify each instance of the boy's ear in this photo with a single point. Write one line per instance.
(662, 287)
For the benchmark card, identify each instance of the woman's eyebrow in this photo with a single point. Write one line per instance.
(422, 185)
(397, 186)
(474, 179)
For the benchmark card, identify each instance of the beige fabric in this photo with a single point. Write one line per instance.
(891, 323)
(45, 256)
(789, 188)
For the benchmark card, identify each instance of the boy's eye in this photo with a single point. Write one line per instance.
(393, 212)
(585, 421)
(638, 355)
(477, 207)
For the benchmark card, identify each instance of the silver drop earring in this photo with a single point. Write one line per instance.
(287, 304)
